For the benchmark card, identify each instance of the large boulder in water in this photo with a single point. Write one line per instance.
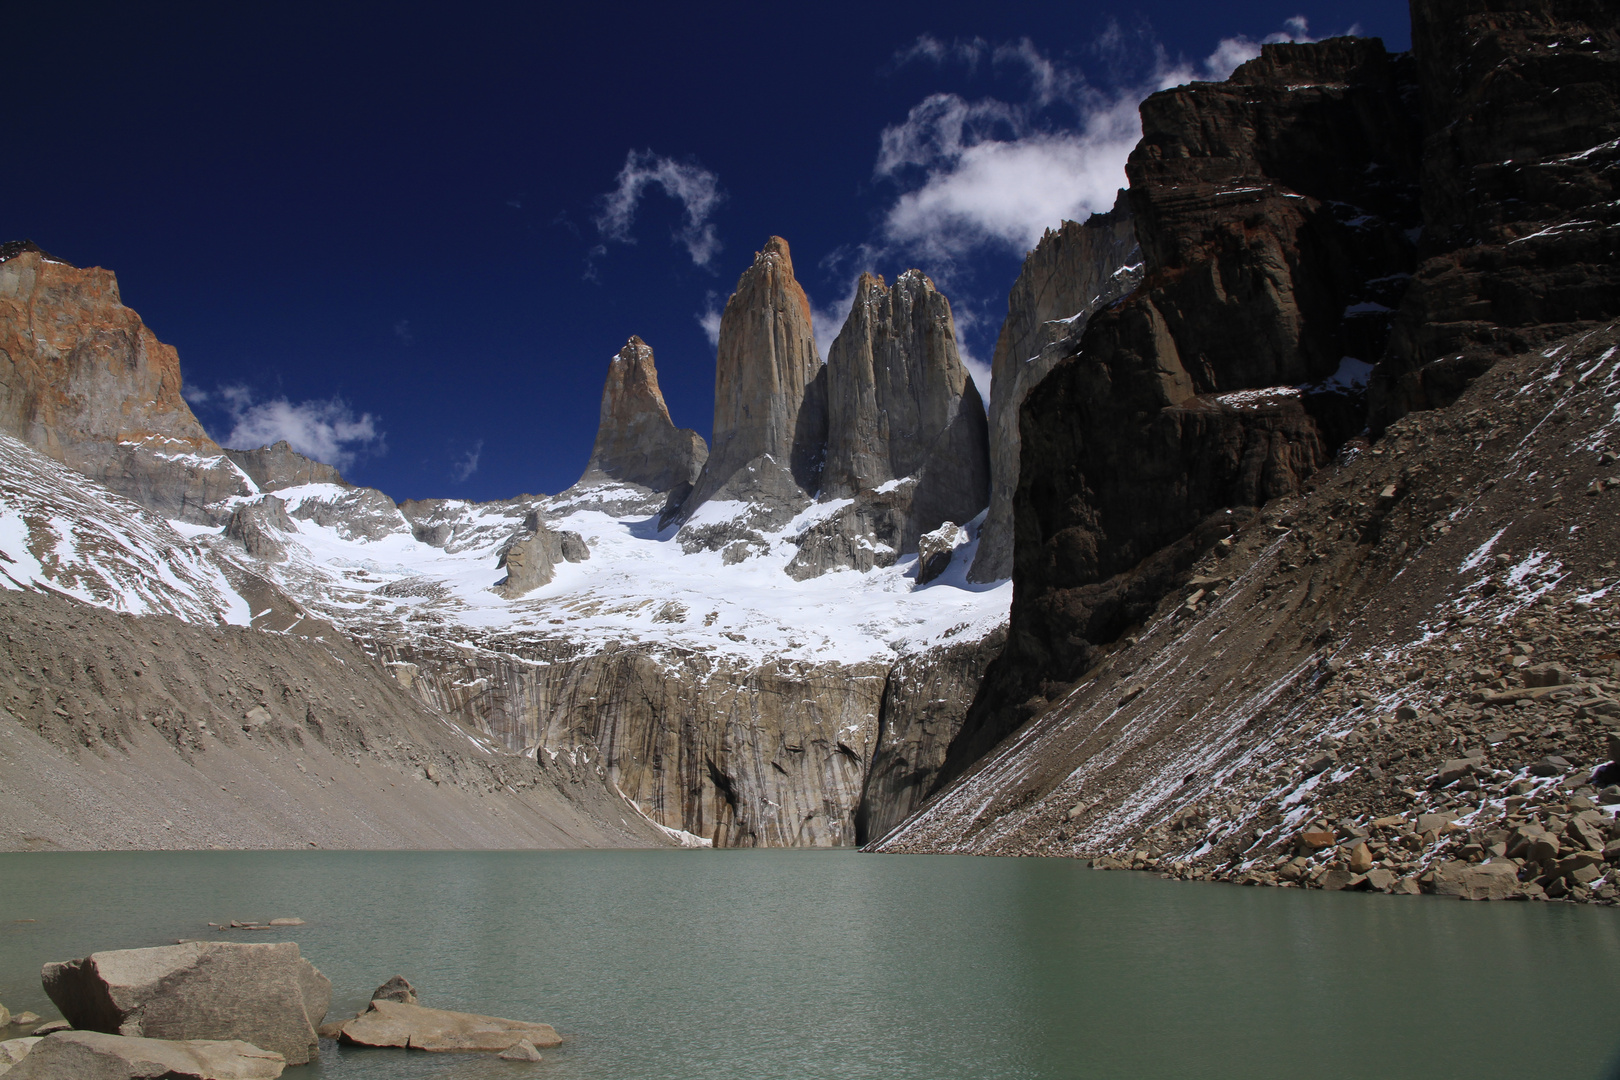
(392, 1023)
(95, 1055)
(265, 994)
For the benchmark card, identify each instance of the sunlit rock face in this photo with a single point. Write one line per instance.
(636, 441)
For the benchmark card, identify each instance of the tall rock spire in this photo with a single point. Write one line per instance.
(767, 397)
(900, 404)
(636, 441)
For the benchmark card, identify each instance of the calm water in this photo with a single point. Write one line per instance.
(764, 964)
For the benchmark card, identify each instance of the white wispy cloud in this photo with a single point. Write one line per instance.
(464, 465)
(326, 430)
(688, 183)
(402, 330)
(972, 173)
(709, 317)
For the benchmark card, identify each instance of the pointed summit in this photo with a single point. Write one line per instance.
(767, 400)
(636, 441)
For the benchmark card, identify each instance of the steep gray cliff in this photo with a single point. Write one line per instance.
(636, 441)
(280, 466)
(1072, 272)
(768, 402)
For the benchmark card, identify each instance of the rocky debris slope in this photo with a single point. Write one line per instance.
(84, 381)
(266, 994)
(118, 732)
(636, 441)
(1404, 678)
(1274, 213)
(1073, 271)
(770, 407)
(1521, 191)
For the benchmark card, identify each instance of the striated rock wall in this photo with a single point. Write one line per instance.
(83, 380)
(636, 441)
(280, 466)
(1074, 270)
(1274, 213)
(768, 401)
(1521, 190)
(900, 404)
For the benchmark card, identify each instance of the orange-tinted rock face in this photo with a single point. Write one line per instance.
(767, 400)
(636, 441)
(83, 380)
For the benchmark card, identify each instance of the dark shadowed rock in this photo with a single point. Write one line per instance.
(1521, 191)
(254, 526)
(636, 441)
(84, 381)
(1074, 270)
(900, 405)
(391, 1023)
(92, 1055)
(935, 550)
(769, 406)
(264, 994)
(1274, 213)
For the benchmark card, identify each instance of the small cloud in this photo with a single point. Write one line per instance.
(466, 464)
(709, 317)
(516, 204)
(326, 430)
(694, 187)
(402, 330)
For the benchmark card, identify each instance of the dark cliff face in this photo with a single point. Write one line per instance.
(1521, 165)
(1275, 214)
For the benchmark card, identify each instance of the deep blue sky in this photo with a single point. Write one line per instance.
(396, 206)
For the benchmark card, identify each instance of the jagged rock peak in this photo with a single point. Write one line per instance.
(1074, 270)
(767, 400)
(636, 441)
(280, 466)
(901, 404)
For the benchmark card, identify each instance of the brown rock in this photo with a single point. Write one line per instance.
(522, 1050)
(263, 993)
(1361, 859)
(84, 381)
(93, 1055)
(397, 989)
(1487, 881)
(636, 441)
(768, 401)
(1316, 839)
(1382, 879)
(391, 1023)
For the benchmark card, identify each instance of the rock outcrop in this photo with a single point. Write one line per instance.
(396, 1023)
(1521, 191)
(636, 441)
(531, 561)
(264, 994)
(1074, 270)
(900, 405)
(91, 1055)
(770, 408)
(84, 381)
(280, 466)
(1274, 213)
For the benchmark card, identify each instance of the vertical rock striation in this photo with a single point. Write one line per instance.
(900, 404)
(768, 401)
(1274, 213)
(84, 381)
(1073, 271)
(636, 441)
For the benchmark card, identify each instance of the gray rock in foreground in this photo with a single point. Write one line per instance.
(266, 994)
(94, 1055)
(392, 1023)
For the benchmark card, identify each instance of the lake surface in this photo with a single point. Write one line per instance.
(786, 964)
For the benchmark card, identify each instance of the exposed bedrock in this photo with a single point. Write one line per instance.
(1521, 190)
(742, 752)
(530, 561)
(83, 380)
(636, 441)
(900, 405)
(280, 466)
(1073, 270)
(1273, 212)
(770, 407)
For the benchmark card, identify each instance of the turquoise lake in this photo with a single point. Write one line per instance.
(758, 964)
